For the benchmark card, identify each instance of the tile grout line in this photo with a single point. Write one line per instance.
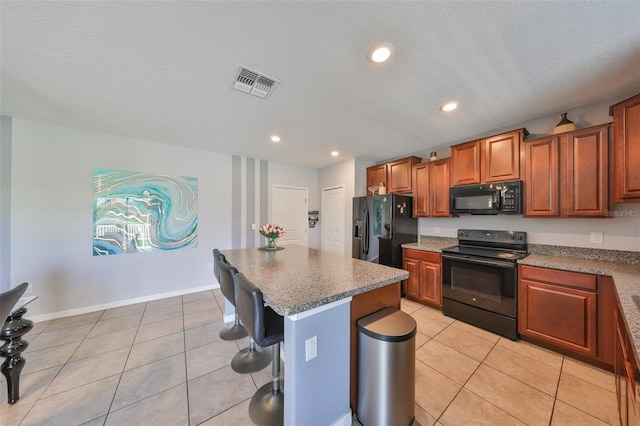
(469, 378)
(115, 392)
(186, 366)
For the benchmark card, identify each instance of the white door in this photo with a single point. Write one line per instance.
(290, 212)
(333, 232)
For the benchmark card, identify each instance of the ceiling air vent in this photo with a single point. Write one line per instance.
(254, 83)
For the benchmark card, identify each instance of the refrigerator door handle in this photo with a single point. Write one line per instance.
(365, 245)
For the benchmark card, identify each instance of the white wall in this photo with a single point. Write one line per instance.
(5, 203)
(51, 219)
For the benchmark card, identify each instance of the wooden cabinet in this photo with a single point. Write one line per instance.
(425, 276)
(567, 175)
(501, 157)
(465, 163)
(587, 167)
(375, 176)
(494, 159)
(421, 192)
(396, 175)
(399, 174)
(567, 310)
(541, 178)
(431, 189)
(626, 371)
(626, 148)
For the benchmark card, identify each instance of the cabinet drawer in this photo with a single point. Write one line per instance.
(425, 256)
(558, 277)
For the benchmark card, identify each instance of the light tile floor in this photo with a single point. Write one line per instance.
(162, 363)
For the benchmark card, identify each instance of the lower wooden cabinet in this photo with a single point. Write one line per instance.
(626, 369)
(425, 276)
(570, 311)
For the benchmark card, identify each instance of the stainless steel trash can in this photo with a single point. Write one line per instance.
(386, 368)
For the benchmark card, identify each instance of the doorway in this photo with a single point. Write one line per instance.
(333, 211)
(290, 211)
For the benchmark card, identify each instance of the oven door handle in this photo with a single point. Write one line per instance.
(471, 259)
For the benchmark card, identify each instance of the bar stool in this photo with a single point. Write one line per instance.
(267, 328)
(237, 330)
(251, 359)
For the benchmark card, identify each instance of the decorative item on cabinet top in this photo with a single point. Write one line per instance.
(565, 125)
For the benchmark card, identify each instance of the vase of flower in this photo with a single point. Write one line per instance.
(271, 233)
(272, 243)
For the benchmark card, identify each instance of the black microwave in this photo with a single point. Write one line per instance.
(487, 198)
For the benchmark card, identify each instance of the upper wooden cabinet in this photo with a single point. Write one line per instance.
(587, 168)
(567, 174)
(421, 199)
(626, 147)
(431, 188)
(494, 159)
(396, 175)
(465, 163)
(541, 177)
(375, 176)
(501, 156)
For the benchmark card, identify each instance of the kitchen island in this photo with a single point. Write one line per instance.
(313, 290)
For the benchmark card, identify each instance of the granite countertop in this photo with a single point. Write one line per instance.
(433, 244)
(299, 278)
(626, 277)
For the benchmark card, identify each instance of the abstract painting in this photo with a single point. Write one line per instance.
(140, 212)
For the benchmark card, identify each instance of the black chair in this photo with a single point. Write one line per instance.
(12, 328)
(251, 359)
(237, 330)
(267, 329)
(9, 298)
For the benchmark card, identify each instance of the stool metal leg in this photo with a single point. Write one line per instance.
(235, 332)
(267, 404)
(251, 359)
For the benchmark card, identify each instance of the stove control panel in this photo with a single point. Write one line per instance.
(502, 237)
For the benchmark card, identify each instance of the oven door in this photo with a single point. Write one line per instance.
(486, 284)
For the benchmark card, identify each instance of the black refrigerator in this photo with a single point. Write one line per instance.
(381, 223)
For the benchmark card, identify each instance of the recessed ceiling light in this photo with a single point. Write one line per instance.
(335, 153)
(275, 138)
(449, 106)
(380, 52)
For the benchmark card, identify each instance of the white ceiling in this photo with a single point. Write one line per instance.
(163, 71)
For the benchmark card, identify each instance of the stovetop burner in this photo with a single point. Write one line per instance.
(504, 245)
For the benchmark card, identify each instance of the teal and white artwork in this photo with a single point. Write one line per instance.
(140, 212)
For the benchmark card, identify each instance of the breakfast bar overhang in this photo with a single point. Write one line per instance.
(314, 291)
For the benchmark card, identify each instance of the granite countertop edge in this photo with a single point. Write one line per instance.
(296, 309)
(626, 278)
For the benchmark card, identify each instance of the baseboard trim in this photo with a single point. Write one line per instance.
(111, 305)
(344, 420)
